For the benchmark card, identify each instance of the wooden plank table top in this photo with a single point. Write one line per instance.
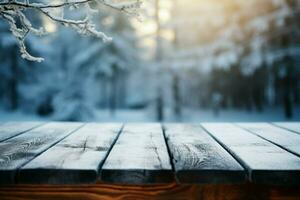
(76, 159)
(198, 158)
(265, 162)
(68, 153)
(283, 138)
(292, 126)
(11, 129)
(20, 150)
(139, 156)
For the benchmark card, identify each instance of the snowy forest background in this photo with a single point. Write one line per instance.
(186, 61)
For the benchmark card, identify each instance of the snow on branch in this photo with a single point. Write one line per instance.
(13, 12)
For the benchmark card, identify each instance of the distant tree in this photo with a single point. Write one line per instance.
(99, 65)
(271, 33)
(246, 38)
(13, 71)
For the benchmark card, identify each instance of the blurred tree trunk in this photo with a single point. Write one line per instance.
(113, 90)
(107, 92)
(176, 96)
(122, 89)
(287, 88)
(288, 110)
(260, 83)
(176, 80)
(159, 99)
(103, 92)
(13, 82)
(160, 108)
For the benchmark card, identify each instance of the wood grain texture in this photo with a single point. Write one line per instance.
(284, 138)
(198, 158)
(266, 163)
(74, 160)
(11, 129)
(139, 156)
(170, 191)
(292, 126)
(17, 151)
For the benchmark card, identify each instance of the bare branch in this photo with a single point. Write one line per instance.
(11, 11)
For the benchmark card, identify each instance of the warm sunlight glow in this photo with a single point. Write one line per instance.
(49, 25)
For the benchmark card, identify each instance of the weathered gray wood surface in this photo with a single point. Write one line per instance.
(281, 137)
(11, 129)
(266, 163)
(292, 126)
(67, 153)
(76, 159)
(139, 156)
(198, 158)
(17, 151)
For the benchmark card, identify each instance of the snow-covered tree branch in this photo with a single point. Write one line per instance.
(14, 13)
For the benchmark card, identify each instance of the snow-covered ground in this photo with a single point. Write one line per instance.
(200, 115)
(269, 115)
(189, 115)
(19, 116)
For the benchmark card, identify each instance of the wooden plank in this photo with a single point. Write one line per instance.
(266, 163)
(292, 126)
(139, 156)
(11, 129)
(198, 158)
(17, 151)
(74, 160)
(171, 191)
(288, 140)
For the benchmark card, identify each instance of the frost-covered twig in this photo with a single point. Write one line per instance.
(13, 12)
